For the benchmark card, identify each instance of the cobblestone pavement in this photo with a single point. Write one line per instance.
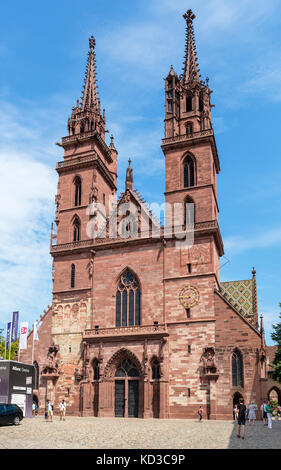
(122, 433)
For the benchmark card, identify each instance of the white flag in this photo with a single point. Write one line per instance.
(23, 335)
(36, 327)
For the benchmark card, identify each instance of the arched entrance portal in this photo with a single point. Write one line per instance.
(127, 382)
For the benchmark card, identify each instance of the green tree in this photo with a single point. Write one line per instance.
(276, 336)
(14, 349)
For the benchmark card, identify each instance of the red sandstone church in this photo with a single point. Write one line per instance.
(141, 326)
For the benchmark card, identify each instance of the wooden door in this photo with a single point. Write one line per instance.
(119, 398)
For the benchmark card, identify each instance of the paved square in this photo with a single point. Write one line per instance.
(121, 433)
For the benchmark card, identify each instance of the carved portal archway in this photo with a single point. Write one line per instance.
(126, 373)
(114, 361)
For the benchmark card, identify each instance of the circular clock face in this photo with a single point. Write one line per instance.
(189, 296)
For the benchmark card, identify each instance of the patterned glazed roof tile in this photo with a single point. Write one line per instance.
(240, 292)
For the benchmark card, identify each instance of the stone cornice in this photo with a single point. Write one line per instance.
(128, 332)
(89, 135)
(71, 289)
(192, 276)
(191, 140)
(106, 243)
(92, 160)
(194, 188)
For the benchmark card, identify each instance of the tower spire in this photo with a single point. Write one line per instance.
(90, 94)
(129, 176)
(191, 70)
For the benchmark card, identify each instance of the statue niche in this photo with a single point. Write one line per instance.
(208, 359)
(52, 366)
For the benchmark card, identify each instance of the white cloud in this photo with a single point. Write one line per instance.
(28, 186)
(266, 239)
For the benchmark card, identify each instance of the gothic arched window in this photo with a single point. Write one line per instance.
(237, 369)
(76, 230)
(155, 368)
(188, 172)
(189, 211)
(72, 276)
(128, 300)
(77, 193)
(127, 368)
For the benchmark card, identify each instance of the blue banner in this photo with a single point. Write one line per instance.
(15, 326)
(8, 335)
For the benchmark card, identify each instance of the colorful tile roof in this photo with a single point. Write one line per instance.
(240, 295)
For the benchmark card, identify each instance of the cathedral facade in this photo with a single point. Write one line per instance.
(140, 324)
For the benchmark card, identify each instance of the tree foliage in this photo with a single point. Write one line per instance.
(14, 349)
(276, 336)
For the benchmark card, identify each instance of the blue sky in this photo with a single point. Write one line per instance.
(43, 52)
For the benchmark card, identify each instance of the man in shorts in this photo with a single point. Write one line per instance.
(50, 410)
(241, 418)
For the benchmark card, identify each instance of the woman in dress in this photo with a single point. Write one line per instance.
(252, 413)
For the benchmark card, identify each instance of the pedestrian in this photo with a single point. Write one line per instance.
(200, 413)
(279, 411)
(62, 407)
(241, 418)
(33, 409)
(235, 412)
(269, 411)
(264, 413)
(50, 410)
(46, 414)
(252, 413)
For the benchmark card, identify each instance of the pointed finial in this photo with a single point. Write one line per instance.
(111, 145)
(189, 16)
(254, 272)
(191, 71)
(129, 177)
(89, 99)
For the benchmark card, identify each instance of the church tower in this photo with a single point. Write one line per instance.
(87, 175)
(189, 146)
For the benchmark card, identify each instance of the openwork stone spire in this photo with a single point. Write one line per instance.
(191, 70)
(90, 95)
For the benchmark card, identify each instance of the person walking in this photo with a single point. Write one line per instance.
(50, 410)
(62, 407)
(200, 413)
(264, 413)
(241, 418)
(252, 413)
(269, 411)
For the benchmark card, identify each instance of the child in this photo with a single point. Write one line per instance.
(200, 413)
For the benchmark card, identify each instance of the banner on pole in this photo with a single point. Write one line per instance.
(36, 327)
(8, 336)
(23, 335)
(15, 326)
